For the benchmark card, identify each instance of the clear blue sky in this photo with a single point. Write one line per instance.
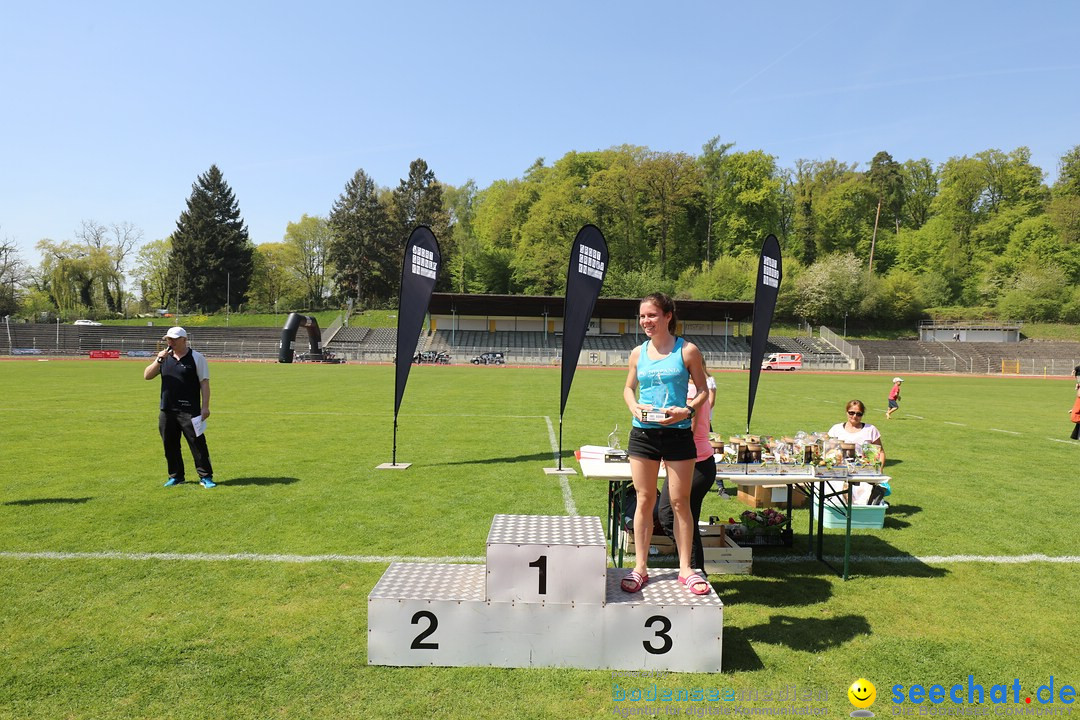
(111, 110)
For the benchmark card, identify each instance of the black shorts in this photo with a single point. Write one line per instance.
(662, 444)
(893, 404)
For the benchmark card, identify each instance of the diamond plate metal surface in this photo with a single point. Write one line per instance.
(663, 588)
(428, 581)
(546, 530)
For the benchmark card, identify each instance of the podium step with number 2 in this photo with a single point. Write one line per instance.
(544, 599)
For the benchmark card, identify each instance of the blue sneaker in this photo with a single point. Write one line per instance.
(173, 481)
(207, 482)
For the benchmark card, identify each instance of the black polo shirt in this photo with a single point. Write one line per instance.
(180, 382)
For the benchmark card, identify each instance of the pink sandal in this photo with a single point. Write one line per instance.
(633, 582)
(692, 583)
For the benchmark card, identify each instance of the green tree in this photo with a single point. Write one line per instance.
(749, 198)
(920, 189)
(829, 288)
(1068, 181)
(417, 200)
(713, 154)
(310, 239)
(461, 250)
(671, 181)
(888, 182)
(153, 272)
(12, 277)
(895, 299)
(618, 188)
(68, 275)
(212, 252)
(276, 284)
(1039, 294)
(365, 264)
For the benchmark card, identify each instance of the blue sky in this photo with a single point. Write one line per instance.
(111, 110)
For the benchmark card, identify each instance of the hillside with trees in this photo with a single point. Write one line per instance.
(881, 243)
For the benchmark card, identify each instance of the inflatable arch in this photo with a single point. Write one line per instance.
(288, 335)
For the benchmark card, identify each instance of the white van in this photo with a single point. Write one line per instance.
(782, 361)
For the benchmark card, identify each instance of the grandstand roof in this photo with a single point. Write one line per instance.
(552, 306)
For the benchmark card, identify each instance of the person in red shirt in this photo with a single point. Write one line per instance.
(894, 397)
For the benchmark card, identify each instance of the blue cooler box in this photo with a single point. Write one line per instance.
(862, 516)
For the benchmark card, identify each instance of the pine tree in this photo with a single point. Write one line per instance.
(418, 200)
(211, 250)
(366, 265)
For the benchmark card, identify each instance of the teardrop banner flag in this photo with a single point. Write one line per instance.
(584, 278)
(419, 271)
(770, 270)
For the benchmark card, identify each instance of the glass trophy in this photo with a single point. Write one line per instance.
(613, 452)
(652, 415)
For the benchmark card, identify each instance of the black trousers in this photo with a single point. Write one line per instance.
(704, 477)
(1076, 431)
(172, 425)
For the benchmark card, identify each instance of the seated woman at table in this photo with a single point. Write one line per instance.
(661, 368)
(704, 476)
(854, 430)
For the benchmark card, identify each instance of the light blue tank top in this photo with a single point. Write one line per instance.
(662, 383)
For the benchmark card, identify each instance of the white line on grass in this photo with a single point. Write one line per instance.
(952, 423)
(567, 498)
(249, 557)
(1010, 432)
(1067, 442)
(917, 417)
(380, 559)
(932, 559)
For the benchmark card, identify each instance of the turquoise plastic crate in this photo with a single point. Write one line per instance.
(862, 516)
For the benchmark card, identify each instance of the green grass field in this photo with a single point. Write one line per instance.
(981, 466)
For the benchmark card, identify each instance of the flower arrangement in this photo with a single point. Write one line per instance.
(758, 522)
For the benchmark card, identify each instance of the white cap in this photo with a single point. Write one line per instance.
(175, 332)
(895, 380)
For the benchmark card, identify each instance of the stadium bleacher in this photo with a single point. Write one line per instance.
(379, 344)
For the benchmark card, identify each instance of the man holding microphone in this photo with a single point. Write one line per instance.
(185, 378)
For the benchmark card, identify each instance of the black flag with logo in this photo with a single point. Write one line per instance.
(419, 271)
(584, 278)
(770, 271)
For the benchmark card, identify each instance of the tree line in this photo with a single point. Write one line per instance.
(978, 236)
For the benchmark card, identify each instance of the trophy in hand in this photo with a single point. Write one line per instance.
(649, 413)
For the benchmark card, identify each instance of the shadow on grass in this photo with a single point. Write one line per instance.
(739, 654)
(550, 456)
(771, 593)
(259, 481)
(50, 501)
(807, 634)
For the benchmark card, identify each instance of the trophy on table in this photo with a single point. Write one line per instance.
(614, 453)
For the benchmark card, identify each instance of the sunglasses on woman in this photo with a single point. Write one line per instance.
(856, 414)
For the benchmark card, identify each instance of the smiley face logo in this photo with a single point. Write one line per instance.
(862, 693)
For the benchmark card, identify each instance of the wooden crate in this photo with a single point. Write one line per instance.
(722, 555)
(762, 496)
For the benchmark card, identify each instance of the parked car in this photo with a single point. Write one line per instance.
(85, 322)
(489, 358)
(431, 356)
(782, 361)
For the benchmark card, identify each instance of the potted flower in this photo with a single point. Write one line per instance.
(763, 527)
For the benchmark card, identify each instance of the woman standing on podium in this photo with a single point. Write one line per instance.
(661, 369)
